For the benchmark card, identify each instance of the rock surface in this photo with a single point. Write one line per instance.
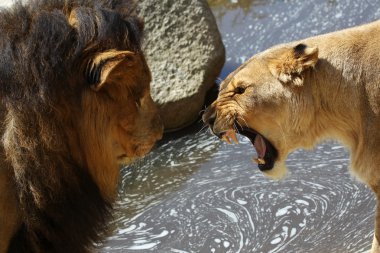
(185, 53)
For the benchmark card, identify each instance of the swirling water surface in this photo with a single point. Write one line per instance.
(196, 194)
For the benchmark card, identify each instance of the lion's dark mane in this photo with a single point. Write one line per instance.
(40, 86)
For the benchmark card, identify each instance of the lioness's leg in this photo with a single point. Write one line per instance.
(9, 216)
(376, 238)
(375, 246)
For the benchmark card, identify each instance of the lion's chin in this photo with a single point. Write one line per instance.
(124, 160)
(278, 172)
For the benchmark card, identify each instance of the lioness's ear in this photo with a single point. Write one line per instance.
(99, 68)
(288, 68)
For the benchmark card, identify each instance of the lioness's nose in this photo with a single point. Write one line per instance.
(209, 117)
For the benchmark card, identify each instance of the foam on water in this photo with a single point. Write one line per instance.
(220, 202)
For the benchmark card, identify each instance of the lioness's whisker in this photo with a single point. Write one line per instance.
(245, 122)
(204, 127)
(235, 127)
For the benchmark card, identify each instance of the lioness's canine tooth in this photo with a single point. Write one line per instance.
(226, 139)
(234, 137)
(258, 160)
(261, 161)
(232, 134)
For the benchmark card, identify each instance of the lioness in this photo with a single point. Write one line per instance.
(74, 89)
(296, 94)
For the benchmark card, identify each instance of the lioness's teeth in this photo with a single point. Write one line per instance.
(258, 160)
(232, 134)
(261, 161)
(226, 139)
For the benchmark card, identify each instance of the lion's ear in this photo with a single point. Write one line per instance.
(288, 68)
(99, 68)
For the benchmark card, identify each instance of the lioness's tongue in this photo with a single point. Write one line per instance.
(260, 146)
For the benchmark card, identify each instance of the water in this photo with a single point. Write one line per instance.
(196, 194)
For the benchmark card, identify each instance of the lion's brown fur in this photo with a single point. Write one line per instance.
(299, 93)
(63, 135)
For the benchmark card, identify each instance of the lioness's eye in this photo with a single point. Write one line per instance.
(239, 90)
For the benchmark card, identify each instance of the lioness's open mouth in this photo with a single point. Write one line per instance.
(266, 152)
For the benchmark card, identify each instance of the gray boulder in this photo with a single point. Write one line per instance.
(185, 53)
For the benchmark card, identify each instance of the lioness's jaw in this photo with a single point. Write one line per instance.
(278, 172)
(289, 67)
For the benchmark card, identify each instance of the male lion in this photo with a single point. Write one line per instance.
(74, 87)
(294, 95)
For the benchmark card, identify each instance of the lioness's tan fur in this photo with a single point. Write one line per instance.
(299, 93)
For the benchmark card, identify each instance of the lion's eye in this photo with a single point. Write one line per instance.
(239, 90)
